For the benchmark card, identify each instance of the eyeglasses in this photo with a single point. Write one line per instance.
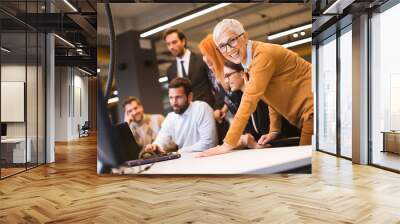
(223, 48)
(227, 75)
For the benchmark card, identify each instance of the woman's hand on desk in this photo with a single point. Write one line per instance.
(220, 149)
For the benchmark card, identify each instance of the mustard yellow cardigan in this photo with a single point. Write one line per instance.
(283, 80)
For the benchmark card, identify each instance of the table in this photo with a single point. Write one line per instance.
(252, 161)
(13, 150)
(391, 141)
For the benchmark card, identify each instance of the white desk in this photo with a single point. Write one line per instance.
(18, 155)
(253, 161)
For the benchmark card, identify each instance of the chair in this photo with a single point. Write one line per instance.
(84, 130)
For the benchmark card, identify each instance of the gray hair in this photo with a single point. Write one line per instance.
(227, 25)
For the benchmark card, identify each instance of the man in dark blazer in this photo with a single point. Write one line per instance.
(188, 65)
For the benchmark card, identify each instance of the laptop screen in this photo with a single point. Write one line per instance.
(115, 143)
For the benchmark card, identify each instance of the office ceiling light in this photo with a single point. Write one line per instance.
(338, 6)
(297, 42)
(112, 100)
(163, 79)
(70, 5)
(302, 33)
(288, 32)
(5, 49)
(295, 35)
(65, 41)
(84, 71)
(182, 20)
(115, 92)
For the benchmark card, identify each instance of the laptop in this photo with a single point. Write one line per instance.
(132, 149)
(116, 145)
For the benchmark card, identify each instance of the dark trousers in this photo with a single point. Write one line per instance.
(222, 129)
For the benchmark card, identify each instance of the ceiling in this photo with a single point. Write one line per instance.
(76, 24)
(259, 19)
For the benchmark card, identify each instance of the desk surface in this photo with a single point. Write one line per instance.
(13, 140)
(253, 161)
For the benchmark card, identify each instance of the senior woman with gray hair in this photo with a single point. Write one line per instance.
(277, 75)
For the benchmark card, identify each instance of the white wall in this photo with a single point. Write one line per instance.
(12, 73)
(61, 103)
(33, 127)
(71, 102)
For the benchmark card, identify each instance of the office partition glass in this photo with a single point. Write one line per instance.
(22, 88)
(327, 95)
(14, 154)
(385, 89)
(346, 92)
(31, 97)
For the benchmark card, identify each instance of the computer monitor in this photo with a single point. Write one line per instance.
(3, 129)
(115, 143)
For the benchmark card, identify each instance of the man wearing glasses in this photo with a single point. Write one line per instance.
(277, 76)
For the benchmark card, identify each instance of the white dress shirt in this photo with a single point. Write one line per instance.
(186, 59)
(193, 131)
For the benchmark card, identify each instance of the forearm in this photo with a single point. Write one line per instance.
(162, 141)
(275, 120)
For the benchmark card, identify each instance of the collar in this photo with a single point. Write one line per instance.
(185, 57)
(249, 46)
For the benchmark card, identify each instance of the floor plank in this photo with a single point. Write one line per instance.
(70, 191)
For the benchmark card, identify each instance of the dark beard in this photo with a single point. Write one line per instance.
(181, 110)
(180, 54)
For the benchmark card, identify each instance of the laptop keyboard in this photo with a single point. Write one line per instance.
(155, 159)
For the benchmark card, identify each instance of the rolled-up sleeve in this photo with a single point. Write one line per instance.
(207, 131)
(164, 136)
(261, 71)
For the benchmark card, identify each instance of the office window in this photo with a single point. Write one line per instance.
(327, 95)
(346, 92)
(385, 89)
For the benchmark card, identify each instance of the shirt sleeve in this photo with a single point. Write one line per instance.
(262, 69)
(208, 131)
(160, 120)
(275, 120)
(164, 136)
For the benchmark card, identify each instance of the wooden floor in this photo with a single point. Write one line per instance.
(70, 191)
(387, 159)
(10, 171)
